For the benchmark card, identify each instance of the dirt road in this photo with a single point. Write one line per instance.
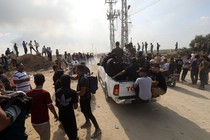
(182, 114)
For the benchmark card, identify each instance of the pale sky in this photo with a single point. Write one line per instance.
(82, 25)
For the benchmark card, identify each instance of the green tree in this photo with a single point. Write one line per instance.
(201, 40)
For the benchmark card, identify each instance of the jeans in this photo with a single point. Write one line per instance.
(194, 76)
(184, 73)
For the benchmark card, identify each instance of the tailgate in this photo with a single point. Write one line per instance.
(126, 89)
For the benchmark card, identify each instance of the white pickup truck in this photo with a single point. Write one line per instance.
(122, 92)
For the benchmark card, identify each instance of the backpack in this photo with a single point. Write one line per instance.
(93, 84)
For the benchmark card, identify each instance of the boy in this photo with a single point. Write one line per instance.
(41, 101)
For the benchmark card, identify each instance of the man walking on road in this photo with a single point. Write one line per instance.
(85, 98)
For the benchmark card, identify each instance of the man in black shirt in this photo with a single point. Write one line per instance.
(112, 66)
(179, 64)
(159, 82)
(86, 69)
(130, 71)
(66, 101)
(118, 51)
(85, 98)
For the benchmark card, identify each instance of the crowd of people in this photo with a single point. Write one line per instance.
(148, 71)
(67, 99)
(10, 57)
(119, 66)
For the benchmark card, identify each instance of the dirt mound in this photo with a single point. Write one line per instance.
(34, 62)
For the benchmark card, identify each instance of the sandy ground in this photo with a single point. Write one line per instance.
(181, 114)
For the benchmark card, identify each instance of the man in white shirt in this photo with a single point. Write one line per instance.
(36, 44)
(145, 84)
(21, 79)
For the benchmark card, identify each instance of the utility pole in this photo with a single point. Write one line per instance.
(111, 16)
(124, 23)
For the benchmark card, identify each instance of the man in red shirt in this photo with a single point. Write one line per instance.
(41, 101)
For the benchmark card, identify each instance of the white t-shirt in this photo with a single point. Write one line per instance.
(145, 85)
(25, 86)
(166, 66)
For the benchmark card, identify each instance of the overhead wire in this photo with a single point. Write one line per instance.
(151, 4)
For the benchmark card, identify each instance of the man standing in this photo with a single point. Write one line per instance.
(13, 56)
(151, 49)
(144, 83)
(176, 46)
(41, 101)
(203, 69)
(31, 46)
(186, 67)
(36, 44)
(158, 48)
(195, 69)
(67, 101)
(146, 44)
(179, 64)
(7, 52)
(44, 51)
(4, 60)
(118, 51)
(25, 47)
(21, 79)
(139, 47)
(16, 49)
(142, 47)
(85, 98)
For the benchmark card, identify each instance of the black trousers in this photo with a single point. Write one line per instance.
(194, 76)
(178, 72)
(86, 110)
(184, 73)
(70, 126)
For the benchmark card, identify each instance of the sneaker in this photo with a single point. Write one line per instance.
(86, 125)
(96, 133)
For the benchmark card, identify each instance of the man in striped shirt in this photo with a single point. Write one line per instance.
(21, 79)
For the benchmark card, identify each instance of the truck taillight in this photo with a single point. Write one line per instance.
(116, 90)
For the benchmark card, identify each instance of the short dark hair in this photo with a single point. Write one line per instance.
(54, 66)
(59, 73)
(141, 70)
(39, 79)
(197, 56)
(117, 43)
(65, 80)
(81, 67)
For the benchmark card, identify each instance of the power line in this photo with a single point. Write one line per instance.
(151, 4)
